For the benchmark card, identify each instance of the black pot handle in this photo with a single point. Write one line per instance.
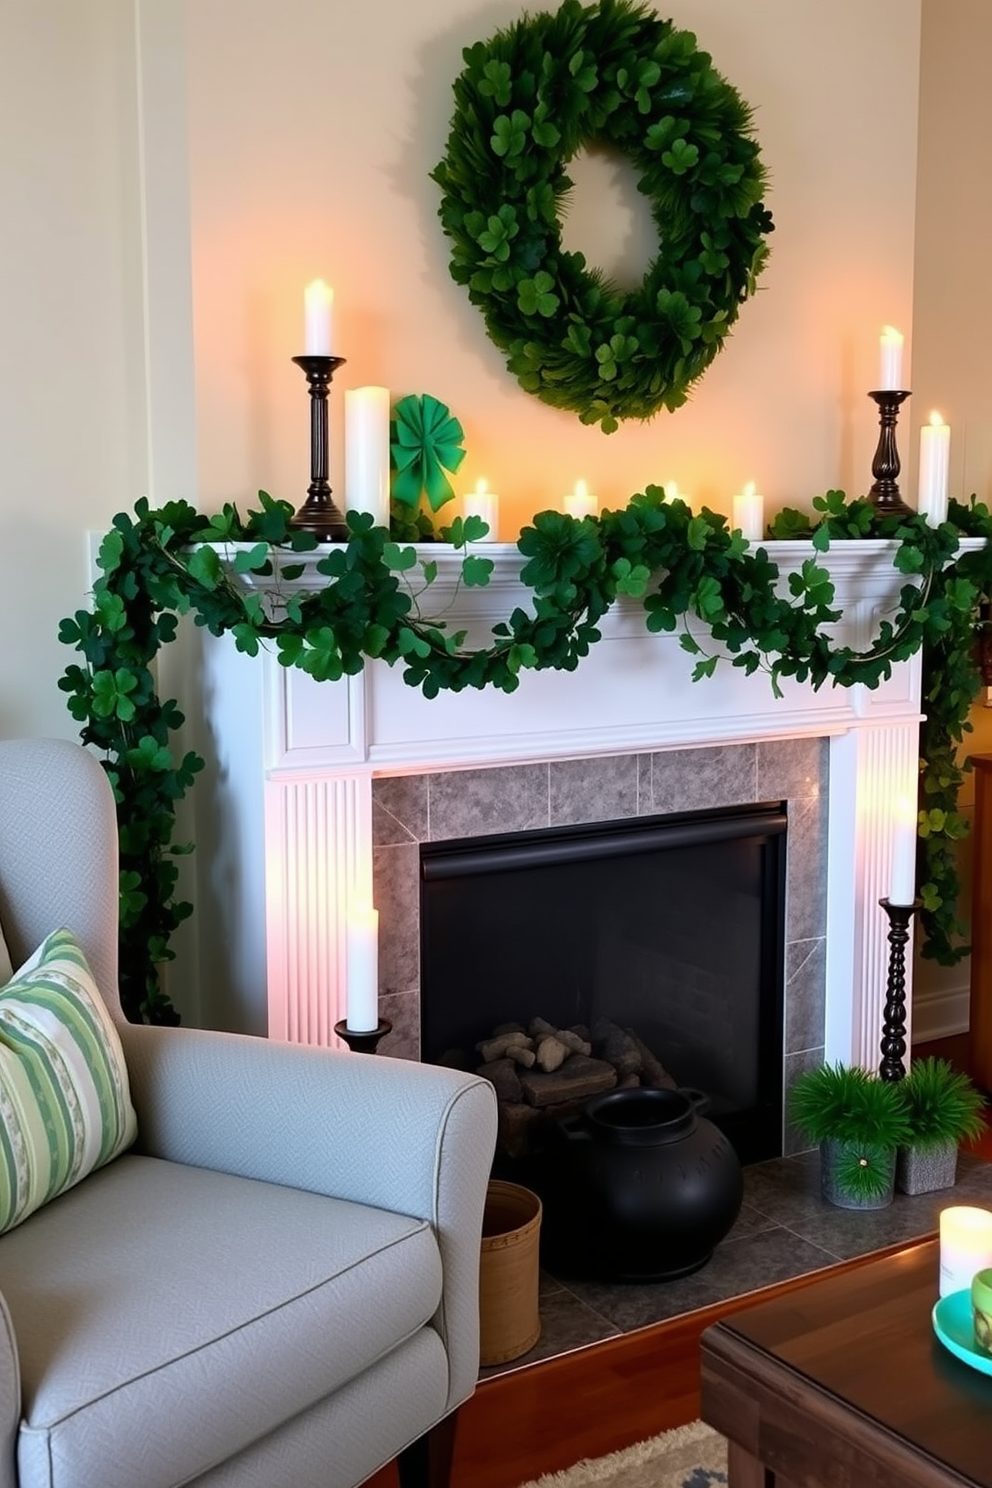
(700, 1100)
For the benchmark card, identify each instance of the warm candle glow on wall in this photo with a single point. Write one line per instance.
(580, 503)
(485, 504)
(749, 513)
(318, 305)
(935, 455)
(890, 360)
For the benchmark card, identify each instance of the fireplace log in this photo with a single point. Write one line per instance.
(578, 1079)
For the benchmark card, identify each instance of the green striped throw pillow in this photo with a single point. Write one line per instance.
(65, 1103)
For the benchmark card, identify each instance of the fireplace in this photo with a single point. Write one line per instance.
(346, 780)
(667, 928)
(716, 789)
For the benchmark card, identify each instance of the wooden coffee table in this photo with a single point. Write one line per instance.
(843, 1384)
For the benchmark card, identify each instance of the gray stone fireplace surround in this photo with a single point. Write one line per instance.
(410, 809)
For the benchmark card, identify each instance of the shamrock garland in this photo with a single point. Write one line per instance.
(425, 440)
(164, 562)
(529, 98)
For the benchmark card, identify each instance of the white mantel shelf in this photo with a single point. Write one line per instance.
(633, 691)
(306, 754)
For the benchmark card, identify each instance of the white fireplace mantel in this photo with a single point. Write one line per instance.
(321, 745)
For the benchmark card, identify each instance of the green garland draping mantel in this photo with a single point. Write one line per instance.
(328, 612)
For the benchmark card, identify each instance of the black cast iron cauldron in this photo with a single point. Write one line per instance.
(643, 1186)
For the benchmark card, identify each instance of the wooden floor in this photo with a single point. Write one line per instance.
(596, 1400)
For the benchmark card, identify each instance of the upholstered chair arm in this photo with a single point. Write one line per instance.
(393, 1133)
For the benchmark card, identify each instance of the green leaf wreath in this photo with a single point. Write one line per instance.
(372, 601)
(612, 74)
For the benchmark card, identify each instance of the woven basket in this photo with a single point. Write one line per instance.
(510, 1323)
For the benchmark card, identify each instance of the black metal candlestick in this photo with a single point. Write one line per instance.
(885, 466)
(318, 514)
(894, 1018)
(362, 1043)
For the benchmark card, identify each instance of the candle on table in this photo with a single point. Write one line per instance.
(362, 986)
(935, 452)
(904, 834)
(485, 504)
(366, 452)
(318, 303)
(965, 1246)
(749, 513)
(580, 503)
(890, 360)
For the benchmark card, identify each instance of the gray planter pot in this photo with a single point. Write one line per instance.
(926, 1169)
(829, 1152)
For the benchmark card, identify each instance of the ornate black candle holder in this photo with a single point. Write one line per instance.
(318, 514)
(894, 1017)
(885, 466)
(363, 1043)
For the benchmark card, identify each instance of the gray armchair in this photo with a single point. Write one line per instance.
(278, 1284)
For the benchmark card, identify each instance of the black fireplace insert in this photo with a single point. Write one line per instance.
(672, 927)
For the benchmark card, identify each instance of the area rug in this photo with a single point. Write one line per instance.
(693, 1456)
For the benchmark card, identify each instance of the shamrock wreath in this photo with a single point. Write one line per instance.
(612, 74)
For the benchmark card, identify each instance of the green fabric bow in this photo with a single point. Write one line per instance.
(425, 440)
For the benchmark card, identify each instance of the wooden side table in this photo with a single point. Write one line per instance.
(980, 1016)
(843, 1384)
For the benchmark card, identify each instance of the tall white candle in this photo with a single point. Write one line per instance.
(935, 454)
(362, 986)
(580, 503)
(902, 888)
(485, 504)
(318, 304)
(366, 452)
(749, 513)
(890, 360)
(965, 1246)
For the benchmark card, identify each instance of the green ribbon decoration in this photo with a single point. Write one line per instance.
(425, 441)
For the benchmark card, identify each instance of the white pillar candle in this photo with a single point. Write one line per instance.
(366, 452)
(580, 503)
(902, 888)
(362, 985)
(935, 453)
(965, 1246)
(485, 504)
(749, 513)
(318, 303)
(890, 360)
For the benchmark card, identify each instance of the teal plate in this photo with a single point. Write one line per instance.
(953, 1326)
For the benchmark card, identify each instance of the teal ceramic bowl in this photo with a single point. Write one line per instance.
(981, 1309)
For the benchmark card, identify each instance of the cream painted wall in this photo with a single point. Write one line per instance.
(952, 317)
(72, 446)
(313, 128)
